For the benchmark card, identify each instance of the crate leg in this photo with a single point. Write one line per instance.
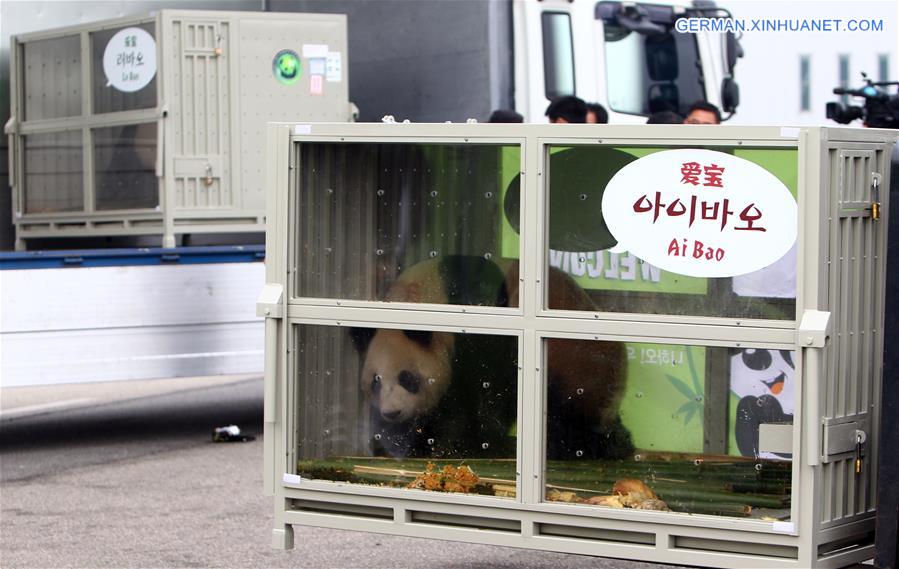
(282, 538)
(168, 241)
(19, 244)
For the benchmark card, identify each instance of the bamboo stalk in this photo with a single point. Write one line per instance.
(717, 509)
(714, 497)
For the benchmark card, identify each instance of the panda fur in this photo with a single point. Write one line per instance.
(448, 395)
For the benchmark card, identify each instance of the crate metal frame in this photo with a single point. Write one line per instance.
(528, 521)
(166, 220)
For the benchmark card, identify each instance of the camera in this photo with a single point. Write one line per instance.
(880, 110)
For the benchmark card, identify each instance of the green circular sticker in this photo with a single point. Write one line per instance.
(287, 66)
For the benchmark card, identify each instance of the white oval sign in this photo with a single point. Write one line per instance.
(700, 213)
(130, 60)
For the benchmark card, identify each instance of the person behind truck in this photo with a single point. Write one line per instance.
(665, 117)
(597, 114)
(567, 109)
(702, 112)
(505, 115)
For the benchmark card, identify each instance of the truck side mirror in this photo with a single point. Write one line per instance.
(732, 50)
(730, 95)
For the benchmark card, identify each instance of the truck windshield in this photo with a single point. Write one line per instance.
(647, 73)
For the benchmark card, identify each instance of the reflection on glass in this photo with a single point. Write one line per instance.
(52, 75)
(371, 213)
(125, 167)
(108, 99)
(670, 427)
(407, 408)
(558, 54)
(54, 172)
(582, 246)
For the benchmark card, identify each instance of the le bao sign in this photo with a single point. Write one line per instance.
(700, 213)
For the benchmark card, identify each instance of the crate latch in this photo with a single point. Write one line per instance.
(845, 439)
(268, 305)
(814, 328)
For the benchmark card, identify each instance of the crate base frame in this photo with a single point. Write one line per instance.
(523, 526)
(36, 229)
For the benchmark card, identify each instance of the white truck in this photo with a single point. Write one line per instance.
(422, 61)
(454, 60)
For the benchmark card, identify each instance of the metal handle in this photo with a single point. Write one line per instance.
(875, 196)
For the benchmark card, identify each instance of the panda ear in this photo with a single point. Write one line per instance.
(421, 337)
(362, 337)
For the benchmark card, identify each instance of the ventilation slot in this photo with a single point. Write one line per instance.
(597, 534)
(847, 544)
(723, 546)
(351, 510)
(475, 522)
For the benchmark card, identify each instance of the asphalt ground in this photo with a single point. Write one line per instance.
(124, 475)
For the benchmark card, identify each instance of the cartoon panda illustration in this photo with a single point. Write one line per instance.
(448, 395)
(764, 381)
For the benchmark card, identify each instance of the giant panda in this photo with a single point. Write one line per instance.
(453, 395)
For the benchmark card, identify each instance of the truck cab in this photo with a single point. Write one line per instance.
(626, 56)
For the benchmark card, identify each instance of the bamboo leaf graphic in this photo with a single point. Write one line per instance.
(689, 416)
(681, 386)
(693, 374)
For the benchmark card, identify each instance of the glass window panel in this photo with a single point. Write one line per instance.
(558, 55)
(582, 247)
(650, 73)
(670, 427)
(54, 172)
(406, 222)
(125, 167)
(108, 99)
(376, 406)
(883, 67)
(843, 65)
(805, 80)
(52, 77)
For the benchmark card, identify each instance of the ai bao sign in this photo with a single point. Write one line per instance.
(700, 213)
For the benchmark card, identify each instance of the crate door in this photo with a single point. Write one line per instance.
(855, 358)
(201, 115)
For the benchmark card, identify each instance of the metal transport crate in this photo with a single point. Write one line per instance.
(660, 343)
(155, 124)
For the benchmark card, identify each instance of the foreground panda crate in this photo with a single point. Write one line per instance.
(441, 298)
(155, 124)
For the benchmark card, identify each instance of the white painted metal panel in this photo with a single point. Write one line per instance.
(132, 322)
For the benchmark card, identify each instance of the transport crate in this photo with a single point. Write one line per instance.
(660, 343)
(155, 124)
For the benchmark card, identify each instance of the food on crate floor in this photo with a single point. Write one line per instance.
(447, 479)
(626, 493)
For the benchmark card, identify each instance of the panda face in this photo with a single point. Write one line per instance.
(758, 372)
(406, 372)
